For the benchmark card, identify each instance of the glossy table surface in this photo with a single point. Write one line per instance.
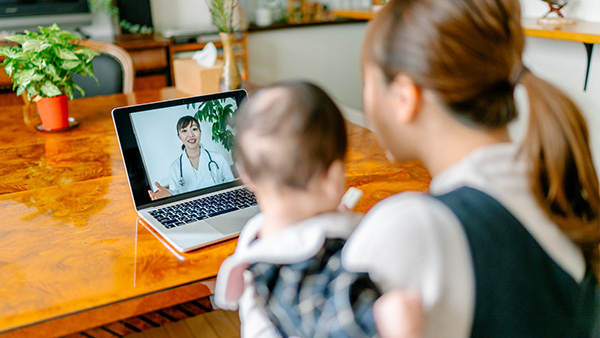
(73, 253)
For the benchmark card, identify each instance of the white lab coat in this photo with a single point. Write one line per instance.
(201, 178)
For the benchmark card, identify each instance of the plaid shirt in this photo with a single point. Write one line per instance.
(317, 297)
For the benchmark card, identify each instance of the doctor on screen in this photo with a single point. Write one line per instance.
(195, 167)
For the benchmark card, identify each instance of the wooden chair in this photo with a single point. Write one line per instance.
(113, 68)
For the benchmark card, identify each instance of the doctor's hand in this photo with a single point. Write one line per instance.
(161, 193)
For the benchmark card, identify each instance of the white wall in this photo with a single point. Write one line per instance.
(179, 14)
(326, 55)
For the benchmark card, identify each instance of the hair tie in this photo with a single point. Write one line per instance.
(516, 76)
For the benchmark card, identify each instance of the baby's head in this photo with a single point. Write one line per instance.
(289, 135)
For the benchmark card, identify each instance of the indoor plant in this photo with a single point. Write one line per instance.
(42, 68)
(220, 114)
(222, 13)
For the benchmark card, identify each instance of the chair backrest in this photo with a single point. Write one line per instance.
(113, 68)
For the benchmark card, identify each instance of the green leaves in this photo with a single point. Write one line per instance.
(221, 12)
(17, 38)
(71, 64)
(35, 46)
(46, 61)
(220, 115)
(49, 89)
(66, 54)
(12, 52)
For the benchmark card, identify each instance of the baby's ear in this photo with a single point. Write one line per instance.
(335, 184)
(336, 169)
(247, 181)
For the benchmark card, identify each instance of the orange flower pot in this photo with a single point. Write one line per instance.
(54, 112)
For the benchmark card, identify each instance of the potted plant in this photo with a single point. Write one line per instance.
(42, 68)
(227, 17)
(220, 114)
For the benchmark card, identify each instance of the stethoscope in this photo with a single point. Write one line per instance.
(210, 161)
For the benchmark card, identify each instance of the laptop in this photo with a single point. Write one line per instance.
(203, 200)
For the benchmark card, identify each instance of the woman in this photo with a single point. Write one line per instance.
(195, 167)
(514, 253)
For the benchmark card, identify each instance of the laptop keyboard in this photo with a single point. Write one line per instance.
(199, 209)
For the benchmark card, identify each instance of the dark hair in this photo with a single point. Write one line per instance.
(185, 121)
(289, 133)
(469, 54)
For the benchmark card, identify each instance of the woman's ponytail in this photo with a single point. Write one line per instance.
(562, 174)
(425, 39)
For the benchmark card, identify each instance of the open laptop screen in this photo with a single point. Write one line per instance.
(178, 148)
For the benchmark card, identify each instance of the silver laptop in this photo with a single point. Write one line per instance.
(202, 200)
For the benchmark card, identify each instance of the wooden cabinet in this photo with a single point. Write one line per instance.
(151, 59)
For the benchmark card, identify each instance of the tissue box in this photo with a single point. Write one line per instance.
(193, 79)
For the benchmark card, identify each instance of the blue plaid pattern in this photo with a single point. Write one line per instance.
(318, 297)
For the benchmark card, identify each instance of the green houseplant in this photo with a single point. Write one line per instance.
(42, 68)
(220, 114)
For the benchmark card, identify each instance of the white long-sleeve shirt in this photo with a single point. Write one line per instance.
(412, 241)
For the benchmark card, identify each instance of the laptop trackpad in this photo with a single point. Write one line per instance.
(194, 234)
(233, 222)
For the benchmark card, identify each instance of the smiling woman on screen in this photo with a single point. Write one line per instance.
(196, 167)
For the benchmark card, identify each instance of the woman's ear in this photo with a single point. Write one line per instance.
(407, 98)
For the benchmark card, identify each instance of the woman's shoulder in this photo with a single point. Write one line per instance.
(408, 209)
(175, 162)
(409, 240)
(404, 221)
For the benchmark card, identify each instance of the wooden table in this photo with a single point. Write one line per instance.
(73, 253)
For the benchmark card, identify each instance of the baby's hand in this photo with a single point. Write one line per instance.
(399, 314)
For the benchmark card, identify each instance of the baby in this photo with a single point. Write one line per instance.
(286, 274)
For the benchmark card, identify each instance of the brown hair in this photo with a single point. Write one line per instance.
(469, 54)
(185, 121)
(289, 133)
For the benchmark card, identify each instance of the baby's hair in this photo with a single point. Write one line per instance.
(185, 121)
(289, 133)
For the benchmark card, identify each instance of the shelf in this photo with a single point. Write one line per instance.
(286, 25)
(357, 14)
(582, 31)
